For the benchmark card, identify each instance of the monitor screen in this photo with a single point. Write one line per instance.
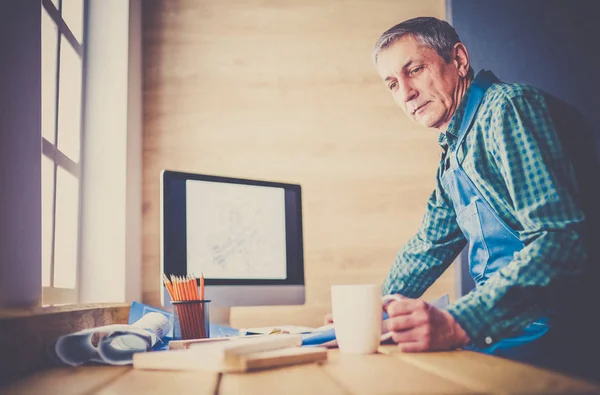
(234, 231)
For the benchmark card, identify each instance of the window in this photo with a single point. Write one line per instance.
(62, 93)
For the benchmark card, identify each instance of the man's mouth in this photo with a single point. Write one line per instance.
(418, 109)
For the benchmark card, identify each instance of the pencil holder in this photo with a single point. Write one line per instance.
(191, 319)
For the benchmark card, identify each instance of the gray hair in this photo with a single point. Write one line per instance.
(432, 32)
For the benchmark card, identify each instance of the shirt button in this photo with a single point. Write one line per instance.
(488, 340)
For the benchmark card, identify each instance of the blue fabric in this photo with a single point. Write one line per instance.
(318, 338)
(492, 243)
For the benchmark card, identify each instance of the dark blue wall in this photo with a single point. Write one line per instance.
(552, 44)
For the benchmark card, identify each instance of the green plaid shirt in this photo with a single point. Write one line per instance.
(514, 157)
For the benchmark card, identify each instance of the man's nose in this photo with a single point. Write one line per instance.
(406, 92)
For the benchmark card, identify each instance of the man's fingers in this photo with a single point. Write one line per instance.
(398, 307)
(405, 306)
(406, 336)
(328, 319)
(417, 346)
(405, 322)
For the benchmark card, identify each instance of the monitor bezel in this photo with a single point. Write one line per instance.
(294, 230)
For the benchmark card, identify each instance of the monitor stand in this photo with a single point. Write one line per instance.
(220, 315)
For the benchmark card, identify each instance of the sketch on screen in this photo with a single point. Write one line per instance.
(235, 231)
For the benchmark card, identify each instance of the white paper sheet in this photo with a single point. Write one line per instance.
(235, 231)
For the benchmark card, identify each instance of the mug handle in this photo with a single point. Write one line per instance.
(384, 301)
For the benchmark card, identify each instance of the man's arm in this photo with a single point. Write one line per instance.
(427, 254)
(541, 184)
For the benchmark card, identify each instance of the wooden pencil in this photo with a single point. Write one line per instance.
(202, 285)
(193, 307)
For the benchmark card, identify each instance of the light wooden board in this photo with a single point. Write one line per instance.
(163, 383)
(290, 356)
(384, 374)
(495, 375)
(66, 381)
(291, 380)
(286, 91)
(240, 355)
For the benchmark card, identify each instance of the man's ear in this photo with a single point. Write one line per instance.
(461, 59)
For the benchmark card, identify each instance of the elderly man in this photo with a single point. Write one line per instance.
(506, 185)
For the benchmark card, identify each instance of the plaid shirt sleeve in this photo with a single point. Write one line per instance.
(525, 148)
(427, 254)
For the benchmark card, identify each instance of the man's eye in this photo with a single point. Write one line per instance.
(392, 86)
(416, 70)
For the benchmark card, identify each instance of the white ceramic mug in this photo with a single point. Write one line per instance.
(357, 316)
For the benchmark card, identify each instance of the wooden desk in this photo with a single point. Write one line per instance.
(457, 372)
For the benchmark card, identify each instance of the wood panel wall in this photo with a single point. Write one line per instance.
(285, 91)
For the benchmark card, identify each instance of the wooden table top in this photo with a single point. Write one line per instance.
(455, 372)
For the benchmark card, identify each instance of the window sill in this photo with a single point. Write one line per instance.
(6, 313)
(27, 333)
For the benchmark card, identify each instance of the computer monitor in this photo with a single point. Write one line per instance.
(244, 235)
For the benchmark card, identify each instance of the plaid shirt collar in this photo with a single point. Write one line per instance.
(449, 138)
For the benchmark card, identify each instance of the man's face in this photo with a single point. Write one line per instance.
(421, 82)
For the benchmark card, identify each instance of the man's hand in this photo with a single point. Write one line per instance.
(328, 319)
(419, 326)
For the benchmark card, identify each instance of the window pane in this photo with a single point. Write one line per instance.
(66, 239)
(47, 217)
(69, 101)
(72, 13)
(49, 55)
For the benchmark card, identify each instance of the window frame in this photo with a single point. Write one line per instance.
(52, 295)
